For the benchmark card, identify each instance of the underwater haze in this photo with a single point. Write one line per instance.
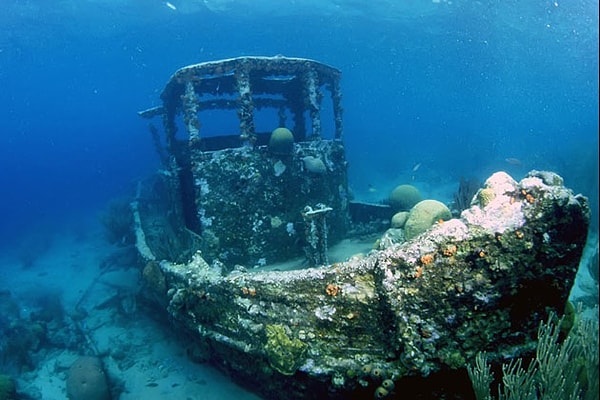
(448, 88)
(434, 92)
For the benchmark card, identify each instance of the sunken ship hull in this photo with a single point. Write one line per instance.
(375, 325)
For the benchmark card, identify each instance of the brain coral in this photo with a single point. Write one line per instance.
(86, 380)
(281, 142)
(399, 219)
(423, 215)
(404, 197)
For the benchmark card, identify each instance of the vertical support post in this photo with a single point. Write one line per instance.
(313, 100)
(246, 106)
(316, 234)
(297, 109)
(170, 128)
(336, 97)
(190, 104)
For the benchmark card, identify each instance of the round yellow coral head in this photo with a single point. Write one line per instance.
(281, 142)
(485, 196)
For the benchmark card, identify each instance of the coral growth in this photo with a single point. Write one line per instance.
(485, 196)
(480, 288)
(399, 219)
(86, 380)
(285, 355)
(466, 191)
(561, 369)
(404, 197)
(332, 290)
(427, 259)
(314, 165)
(449, 250)
(281, 142)
(154, 278)
(423, 215)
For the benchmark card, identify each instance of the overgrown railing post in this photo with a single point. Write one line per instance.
(190, 104)
(246, 105)
(336, 97)
(313, 101)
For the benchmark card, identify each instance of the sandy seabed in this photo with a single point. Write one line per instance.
(142, 356)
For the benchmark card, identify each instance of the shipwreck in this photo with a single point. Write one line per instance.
(219, 224)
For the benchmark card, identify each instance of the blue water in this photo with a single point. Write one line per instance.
(456, 87)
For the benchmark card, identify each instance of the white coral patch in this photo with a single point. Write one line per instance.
(279, 168)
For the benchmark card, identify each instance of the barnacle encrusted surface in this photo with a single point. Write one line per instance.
(285, 354)
(482, 282)
(242, 191)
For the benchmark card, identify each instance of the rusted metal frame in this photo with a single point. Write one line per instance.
(226, 104)
(151, 112)
(274, 65)
(313, 97)
(296, 107)
(218, 104)
(316, 234)
(190, 104)
(246, 105)
(336, 97)
(168, 120)
(313, 74)
(294, 101)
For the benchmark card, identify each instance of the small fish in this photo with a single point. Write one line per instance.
(416, 167)
(514, 161)
(170, 5)
(152, 384)
(372, 189)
